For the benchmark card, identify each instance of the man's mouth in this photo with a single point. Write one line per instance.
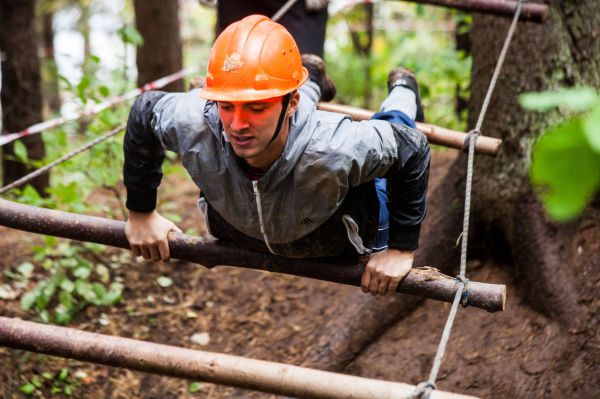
(241, 140)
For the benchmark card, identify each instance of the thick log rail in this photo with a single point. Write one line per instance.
(277, 378)
(534, 12)
(435, 134)
(425, 282)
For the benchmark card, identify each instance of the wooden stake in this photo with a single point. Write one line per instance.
(426, 282)
(217, 368)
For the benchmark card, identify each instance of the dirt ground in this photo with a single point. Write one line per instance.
(516, 353)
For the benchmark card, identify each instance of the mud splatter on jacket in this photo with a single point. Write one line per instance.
(317, 200)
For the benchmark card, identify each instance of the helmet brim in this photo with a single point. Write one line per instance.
(236, 95)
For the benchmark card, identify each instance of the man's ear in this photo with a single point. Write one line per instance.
(293, 106)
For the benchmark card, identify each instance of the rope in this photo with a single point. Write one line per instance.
(60, 160)
(283, 10)
(96, 108)
(424, 389)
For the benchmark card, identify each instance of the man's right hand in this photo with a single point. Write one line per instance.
(147, 234)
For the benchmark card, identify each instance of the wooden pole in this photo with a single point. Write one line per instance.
(260, 375)
(435, 134)
(534, 12)
(426, 282)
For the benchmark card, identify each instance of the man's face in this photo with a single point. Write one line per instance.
(249, 127)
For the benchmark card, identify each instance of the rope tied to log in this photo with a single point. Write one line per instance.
(462, 294)
(464, 300)
(473, 134)
(422, 387)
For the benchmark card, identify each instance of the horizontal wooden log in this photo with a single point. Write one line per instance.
(426, 282)
(534, 12)
(435, 134)
(260, 375)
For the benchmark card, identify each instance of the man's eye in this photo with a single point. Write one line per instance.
(226, 107)
(257, 109)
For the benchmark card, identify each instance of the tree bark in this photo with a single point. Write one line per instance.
(21, 94)
(557, 265)
(161, 54)
(50, 86)
(562, 53)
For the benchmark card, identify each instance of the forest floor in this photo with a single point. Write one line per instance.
(278, 318)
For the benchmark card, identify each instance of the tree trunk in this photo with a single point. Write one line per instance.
(86, 31)
(49, 69)
(563, 52)
(21, 95)
(557, 266)
(161, 54)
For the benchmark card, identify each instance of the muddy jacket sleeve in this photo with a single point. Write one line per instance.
(143, 154)
(407, 188)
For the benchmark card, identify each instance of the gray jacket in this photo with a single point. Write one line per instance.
(326, 155)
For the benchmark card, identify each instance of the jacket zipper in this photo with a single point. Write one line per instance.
(260, 215)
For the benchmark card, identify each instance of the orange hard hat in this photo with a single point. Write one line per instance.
(253, 59)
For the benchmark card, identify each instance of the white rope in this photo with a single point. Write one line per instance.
(424, 389)
(283, 10)
(60, 160)
(96, 108)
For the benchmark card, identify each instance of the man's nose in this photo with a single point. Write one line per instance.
(239, 121)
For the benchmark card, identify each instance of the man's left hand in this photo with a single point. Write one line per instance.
(385, 270)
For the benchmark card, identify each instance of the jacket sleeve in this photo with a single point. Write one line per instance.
(407, 188)
(144, 154)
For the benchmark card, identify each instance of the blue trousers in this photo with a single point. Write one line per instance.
(383, 233)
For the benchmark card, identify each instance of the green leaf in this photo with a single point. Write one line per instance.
(66, 299)
(100, 292)
(27, 389)
(592, 127)
(577, 99)
(566, 169)
(130, 35)
(164, 281)
(64, 373)
(28, 300)
(62, 315)
(82, 272)
(67, 285)
(195, 387)
(36, 381)
(104, 91)
(84, 289)
(25, 269)
(20, 151)
(420, 10)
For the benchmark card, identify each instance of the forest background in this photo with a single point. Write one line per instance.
(87, 53)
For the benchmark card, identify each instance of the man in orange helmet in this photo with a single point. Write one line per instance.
(275, 174)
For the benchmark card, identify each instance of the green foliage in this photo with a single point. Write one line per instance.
(442, 72)
(578, 99)
(53, 383)
(566, 158)
(195, 387)
(73, 282)
(67, 280)
(131, 35)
